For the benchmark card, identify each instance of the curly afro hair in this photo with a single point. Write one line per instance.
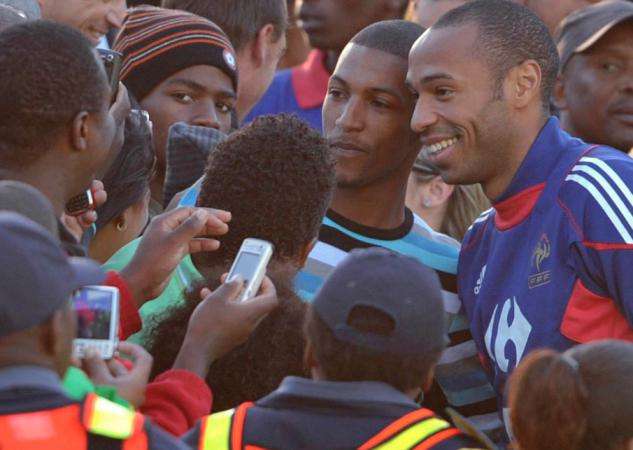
(275, 176)
(255, 368)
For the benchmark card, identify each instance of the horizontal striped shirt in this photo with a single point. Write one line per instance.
(461, 382)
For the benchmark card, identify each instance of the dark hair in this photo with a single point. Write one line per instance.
(275, 176)
(341, 361)
(127, 179)
(255, 368)
(509, 34)
(49, 74)
(391, 36)
(579, 400)
(241, 20)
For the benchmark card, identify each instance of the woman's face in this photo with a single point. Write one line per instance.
(121, 230)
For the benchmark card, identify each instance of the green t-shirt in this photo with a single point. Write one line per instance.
(77, 385)
(183, 276)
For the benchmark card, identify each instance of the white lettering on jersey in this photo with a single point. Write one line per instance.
(518, 332)
(482, 274)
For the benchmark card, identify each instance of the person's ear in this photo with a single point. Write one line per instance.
(262, 43)
(80, 132)
(122, 220)
(309, 360)
(394, 7)
(558, 95)
(523, 84)
(57, 334)
(428, 382)
(438, 192)
(305, 252)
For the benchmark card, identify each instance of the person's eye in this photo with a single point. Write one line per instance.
(444, 93)
(380, 103)
(223, 107)
(335, 93)
(610, 67)
(182, 97)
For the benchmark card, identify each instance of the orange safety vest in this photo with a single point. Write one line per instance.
(71, 427)
(418, 430)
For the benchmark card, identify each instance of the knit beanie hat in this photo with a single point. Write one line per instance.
(156, 43)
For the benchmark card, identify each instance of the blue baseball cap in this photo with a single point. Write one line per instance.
(399, 288)
(37, 278)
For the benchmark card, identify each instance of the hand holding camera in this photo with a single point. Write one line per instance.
(130, 383)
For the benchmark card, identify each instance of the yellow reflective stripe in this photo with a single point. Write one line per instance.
(217, 431)
(414, 435)
(111, 420)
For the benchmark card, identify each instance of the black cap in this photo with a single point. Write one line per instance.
(36, 276)
(583, 28)
(26, 200)
(399, 287)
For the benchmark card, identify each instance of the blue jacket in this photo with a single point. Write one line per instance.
(300, 90)
(549, 266)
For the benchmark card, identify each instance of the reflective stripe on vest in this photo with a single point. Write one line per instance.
(224, 430)
(76, 426)
(105, 418)
(417, 430)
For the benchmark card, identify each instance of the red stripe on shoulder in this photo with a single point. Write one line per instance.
(607, 246)
(590, 317)
(239, 422)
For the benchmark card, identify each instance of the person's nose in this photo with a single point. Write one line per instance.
(625, 84)
(206, 115)
(116, 14)
(351, 116)
(423, 117)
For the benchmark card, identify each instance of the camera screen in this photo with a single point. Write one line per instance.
(94, 312)
(246, 265)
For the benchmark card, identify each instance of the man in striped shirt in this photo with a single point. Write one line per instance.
(366, 119)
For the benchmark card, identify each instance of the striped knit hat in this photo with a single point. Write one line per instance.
(156, 43)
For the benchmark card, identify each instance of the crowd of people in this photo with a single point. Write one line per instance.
(446, 184)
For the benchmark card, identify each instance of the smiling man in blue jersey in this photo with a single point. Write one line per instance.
(366, 118)
(549, 265)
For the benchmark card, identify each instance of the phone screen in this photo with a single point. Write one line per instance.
(246, 265)
(94, 313)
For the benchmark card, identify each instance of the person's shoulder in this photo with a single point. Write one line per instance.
(433, 432)
(122, 257)
(596, 196)
(474, 232)
(158, 439)
(273, 101)
(421, 228)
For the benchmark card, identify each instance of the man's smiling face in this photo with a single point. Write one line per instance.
(94, 18)
(460, 114)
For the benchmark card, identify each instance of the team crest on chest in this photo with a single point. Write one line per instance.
(540, 255)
